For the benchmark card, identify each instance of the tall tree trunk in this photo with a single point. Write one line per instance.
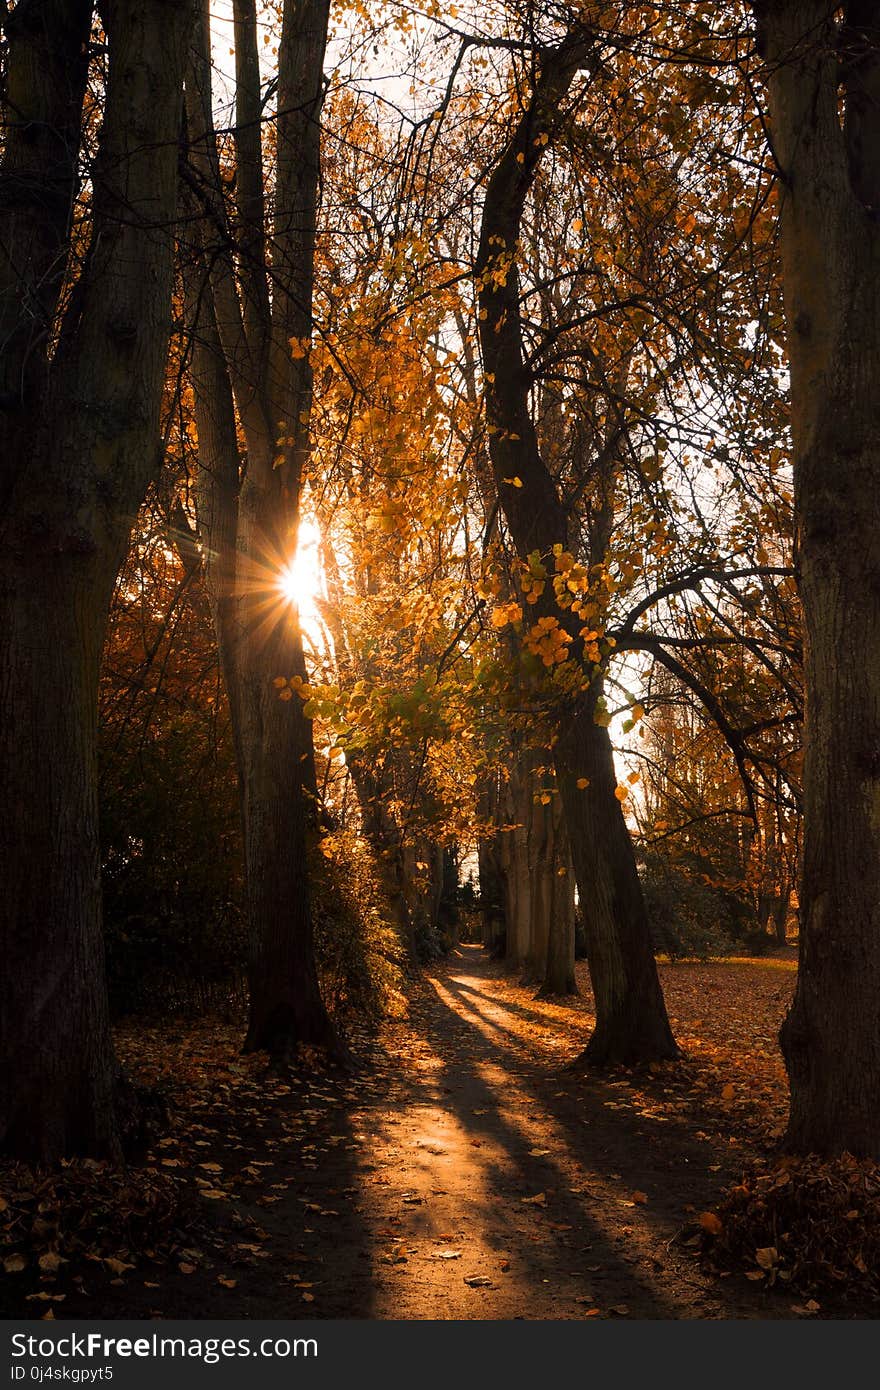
(79, 445)
(831, 275)
(631, 1019)
(250, 520)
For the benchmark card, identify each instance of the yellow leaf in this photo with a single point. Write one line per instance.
(514, 482)
(583, 783)
(621, 793)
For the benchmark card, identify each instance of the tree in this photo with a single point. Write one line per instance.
(251, 313)
(84, 344)
(631, 1021)
(823, 80)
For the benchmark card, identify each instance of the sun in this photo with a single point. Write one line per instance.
(300, 579)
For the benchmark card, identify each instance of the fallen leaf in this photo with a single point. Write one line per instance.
(14, 1264)
(539, 1200)
(478, 1281)
(640, 1198)
(711, 1223)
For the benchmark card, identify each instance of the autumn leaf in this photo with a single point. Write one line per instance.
(711, 1223)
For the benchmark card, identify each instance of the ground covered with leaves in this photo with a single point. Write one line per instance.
(469, 1168)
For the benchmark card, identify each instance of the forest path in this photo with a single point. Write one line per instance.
(493, 1164)
(464, 1171)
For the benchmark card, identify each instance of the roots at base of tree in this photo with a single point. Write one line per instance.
(560, 996)
(282, 1033)
(605, 1050)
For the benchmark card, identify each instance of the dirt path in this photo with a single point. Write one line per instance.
(494, 1164)
(463, 1172)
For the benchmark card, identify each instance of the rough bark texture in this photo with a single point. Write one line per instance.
(79, 427)
(831, 271)
(631, 1020)
(243, 362)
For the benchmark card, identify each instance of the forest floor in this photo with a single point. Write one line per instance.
(464, 1170)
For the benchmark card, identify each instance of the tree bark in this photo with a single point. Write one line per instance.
(830, 240)
(79, 429)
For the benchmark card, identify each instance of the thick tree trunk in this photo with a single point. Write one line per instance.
(831, 273)
(79, 441)
(57, 1077)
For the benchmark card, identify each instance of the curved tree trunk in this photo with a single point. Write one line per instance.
(631, 1019)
